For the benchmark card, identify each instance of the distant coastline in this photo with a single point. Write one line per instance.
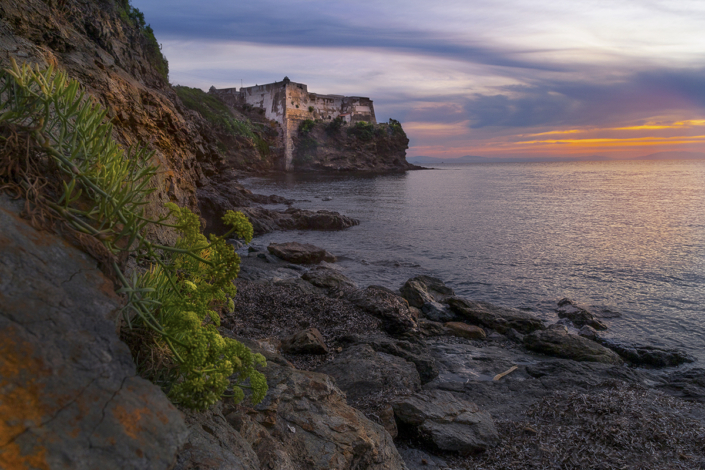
(423, 160)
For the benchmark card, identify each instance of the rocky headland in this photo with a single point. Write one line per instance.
(359, 377)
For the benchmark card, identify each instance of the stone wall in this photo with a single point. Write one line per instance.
(289, 103)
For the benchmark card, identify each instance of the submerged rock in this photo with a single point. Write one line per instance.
(447, 422)
(557, 342)
(578, 315)
(300, 253)
(494, 317)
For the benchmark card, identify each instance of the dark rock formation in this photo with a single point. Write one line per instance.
(362, 372)
(435, 311)
(447, 422)
(647, 355)
(70, 396)
(420, 290)
(491, 316)
(557, 342)
(300, 253)
(387, 306)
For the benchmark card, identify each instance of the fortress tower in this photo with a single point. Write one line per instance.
(289, 103)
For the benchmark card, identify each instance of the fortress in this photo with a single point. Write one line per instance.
(289, 103)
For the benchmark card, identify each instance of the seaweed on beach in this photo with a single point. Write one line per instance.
(623, 426)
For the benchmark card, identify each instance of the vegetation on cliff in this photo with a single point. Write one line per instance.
(57, 151)
(152, 48)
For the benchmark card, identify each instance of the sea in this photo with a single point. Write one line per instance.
(624, 238)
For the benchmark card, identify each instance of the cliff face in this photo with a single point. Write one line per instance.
(337, 146)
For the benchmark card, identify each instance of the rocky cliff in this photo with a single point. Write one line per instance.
(340, 146)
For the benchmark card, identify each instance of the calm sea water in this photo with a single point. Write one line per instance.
(625, 238)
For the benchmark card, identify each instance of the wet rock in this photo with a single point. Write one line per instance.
(328, 278)
(578, 315)
(515, 336)
(69, 391)
(494, 317)
(464, 330)
(436, 311)
(308, 341)
(687, 384)
(266, 220)
(387, 306)
(300, 253)
(417, 459)
(557, 342)
(360, 371)
(447, 422)
(588, 332)
(647, 355)
(422, 289)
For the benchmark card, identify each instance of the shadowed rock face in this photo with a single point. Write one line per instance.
(300, 253)
(69, 393)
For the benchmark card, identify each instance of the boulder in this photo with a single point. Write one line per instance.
(422, 289)
(647, 355)
(308, 341)
(494, 317)
(447, 422)
(557, 342)
(431, 328)
(360, 371)
(328, 278)
(436, 311)
(578, 315)
(317, 429)
(70, 396)
(464, 330)
(300, 253)
(392, 309)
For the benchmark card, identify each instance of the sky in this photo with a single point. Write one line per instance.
(492, 78)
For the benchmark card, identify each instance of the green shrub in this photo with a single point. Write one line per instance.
(152, 48)
(306, 126)
(72, 169)
(310, 109)
(335, 125)
(363, 130)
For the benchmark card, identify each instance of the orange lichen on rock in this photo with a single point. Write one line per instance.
(21, 406)
(130, 419)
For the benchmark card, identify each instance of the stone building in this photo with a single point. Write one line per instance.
(289, 103)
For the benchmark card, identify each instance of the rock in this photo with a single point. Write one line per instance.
(328, 278)
(70, 396)
(437, 312)
(413, 351)
(579, 316)
(386, 418)
(496, 318)
(417, 459)
(422, 289)
(589, 332)
(431, 328)
(515, 336)
(360, 372)
(556, 342)
(309, 416)
(327, 198)
(688, 384)
(387, 306)
(268, 258)
(300, 253)
(647, 355)
(214, 445)
(308, 341)
(266, 220)
(464, 330)
(447, 422)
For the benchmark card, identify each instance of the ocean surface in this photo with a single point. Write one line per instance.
(626, 239)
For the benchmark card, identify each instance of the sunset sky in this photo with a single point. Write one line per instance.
(513, 78)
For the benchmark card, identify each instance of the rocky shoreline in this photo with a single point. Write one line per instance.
(463, 384)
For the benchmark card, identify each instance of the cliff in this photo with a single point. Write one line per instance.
(340, 146)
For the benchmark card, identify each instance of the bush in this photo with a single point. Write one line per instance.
(310, 109)
(306, 126)
(335, 125)
(73, 170)
(363, 130)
